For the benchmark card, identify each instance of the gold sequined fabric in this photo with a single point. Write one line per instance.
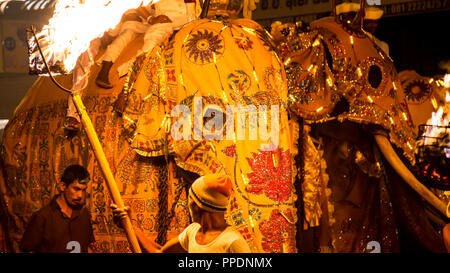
(215, 64)
(35, 150)
(327, 63)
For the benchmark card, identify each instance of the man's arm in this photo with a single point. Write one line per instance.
(145, 243)
(173, 246)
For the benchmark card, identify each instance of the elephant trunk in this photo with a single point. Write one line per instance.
(391, 156)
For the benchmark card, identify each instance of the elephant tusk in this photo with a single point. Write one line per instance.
(391, 156)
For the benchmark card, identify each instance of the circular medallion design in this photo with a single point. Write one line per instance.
(204, 46)
(417, 91)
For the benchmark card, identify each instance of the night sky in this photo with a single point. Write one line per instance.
(418, 42)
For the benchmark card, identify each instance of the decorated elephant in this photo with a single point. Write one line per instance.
(309, 181)
(225, 67)
(36, 147)
(358, 133)
(181, 103)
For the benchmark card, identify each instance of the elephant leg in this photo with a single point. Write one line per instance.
(362, 211)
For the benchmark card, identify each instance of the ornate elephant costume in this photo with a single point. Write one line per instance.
(330, 64)
(35, 149)
(347, 92)
(223, 62)
(215, 97)
(210, 66)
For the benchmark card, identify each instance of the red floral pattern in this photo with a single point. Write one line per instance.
(278, 233)
(271, 174)
(230, 151)
(245, 233)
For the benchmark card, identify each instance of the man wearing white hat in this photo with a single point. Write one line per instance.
(347, 11)
(372, 15)
(209, 232)
(347, 8)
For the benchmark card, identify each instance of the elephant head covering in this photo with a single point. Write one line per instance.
(327, 63)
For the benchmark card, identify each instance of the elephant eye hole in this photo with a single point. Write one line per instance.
(375, 76)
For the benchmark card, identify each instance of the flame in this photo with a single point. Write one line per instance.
(447, 81)
(75, 23)
(440, 118)
(432, 133)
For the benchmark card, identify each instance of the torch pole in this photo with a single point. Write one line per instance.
(104, 165)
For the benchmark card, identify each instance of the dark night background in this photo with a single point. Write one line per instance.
(418, 42)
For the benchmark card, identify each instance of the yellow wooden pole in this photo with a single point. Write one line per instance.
(104, 165)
